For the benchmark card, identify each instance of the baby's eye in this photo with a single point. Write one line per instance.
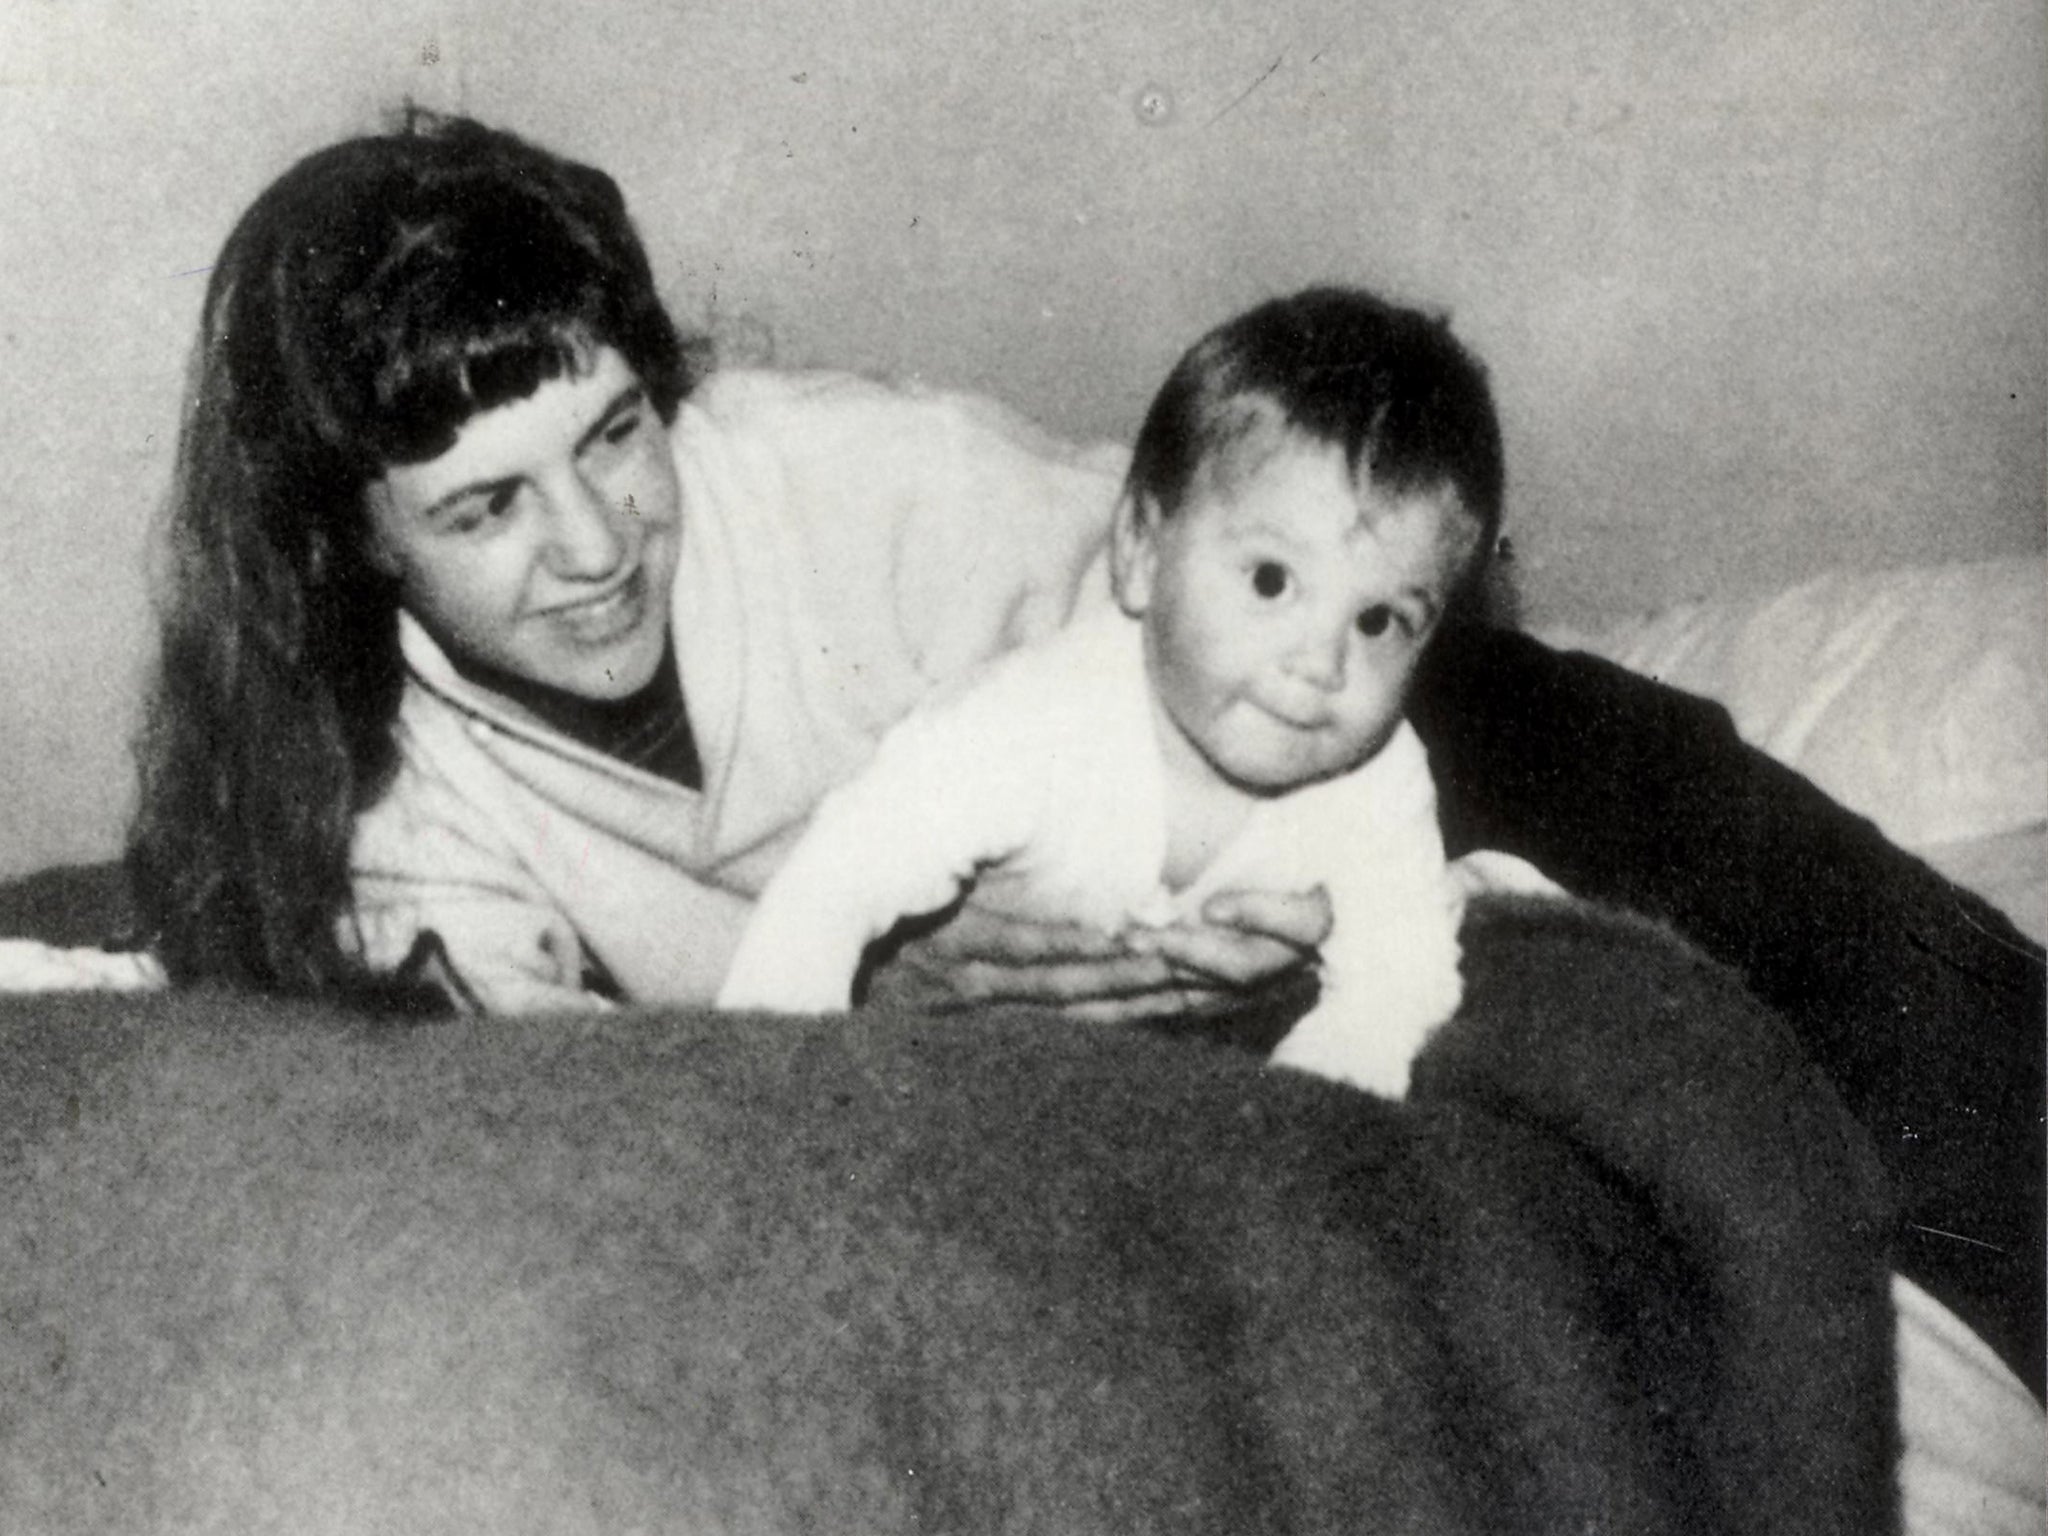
(1378, 619)
(1269, 578)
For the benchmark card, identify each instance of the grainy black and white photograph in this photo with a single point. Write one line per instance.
(1051, 768)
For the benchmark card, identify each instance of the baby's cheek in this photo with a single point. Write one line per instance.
(1370, 730)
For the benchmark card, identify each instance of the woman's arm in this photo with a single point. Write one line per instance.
(1246, 943)
(431, 877)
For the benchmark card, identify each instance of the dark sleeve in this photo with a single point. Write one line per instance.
(1923, 1004)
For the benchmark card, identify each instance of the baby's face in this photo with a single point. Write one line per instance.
(1285, 609)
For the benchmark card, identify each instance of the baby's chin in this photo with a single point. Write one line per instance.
(1271, 776)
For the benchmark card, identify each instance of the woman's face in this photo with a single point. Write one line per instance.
(543, 542)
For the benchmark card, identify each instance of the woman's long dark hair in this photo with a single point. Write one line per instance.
(372, 300)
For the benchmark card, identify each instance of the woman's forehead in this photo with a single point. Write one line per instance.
(507, 441)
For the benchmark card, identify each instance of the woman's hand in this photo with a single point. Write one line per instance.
(1244, 941)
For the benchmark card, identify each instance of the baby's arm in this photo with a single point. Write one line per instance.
(1390, 965)
(946, 794)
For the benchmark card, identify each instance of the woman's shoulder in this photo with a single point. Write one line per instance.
(733, 393)
(749, 398)
(817, 411)
(785, 434)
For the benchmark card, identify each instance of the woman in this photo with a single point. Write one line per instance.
(505, 653)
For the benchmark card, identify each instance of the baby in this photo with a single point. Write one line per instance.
(1316, 485)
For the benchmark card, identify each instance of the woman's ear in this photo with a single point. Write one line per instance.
(378, 548)
(1133, 552)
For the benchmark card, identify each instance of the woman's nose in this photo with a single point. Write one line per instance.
(585, 539)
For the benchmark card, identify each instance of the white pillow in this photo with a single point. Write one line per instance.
(1917, 697)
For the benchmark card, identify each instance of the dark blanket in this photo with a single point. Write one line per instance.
(1618, 1264)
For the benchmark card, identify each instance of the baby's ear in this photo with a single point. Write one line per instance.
(1133, 552)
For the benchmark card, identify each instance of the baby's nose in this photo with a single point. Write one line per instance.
(1321, 658)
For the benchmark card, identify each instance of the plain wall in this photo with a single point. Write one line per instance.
(1760, 281)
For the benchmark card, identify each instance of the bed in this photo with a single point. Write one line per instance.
(1916, 697)
(1620, 1262)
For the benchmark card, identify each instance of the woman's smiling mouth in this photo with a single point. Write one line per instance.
(602, 620)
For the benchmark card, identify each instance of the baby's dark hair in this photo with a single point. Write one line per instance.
(1390, 386)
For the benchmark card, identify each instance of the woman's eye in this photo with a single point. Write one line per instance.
(474, 512)
(1269, 578)
(622, 428)
(497, 504)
